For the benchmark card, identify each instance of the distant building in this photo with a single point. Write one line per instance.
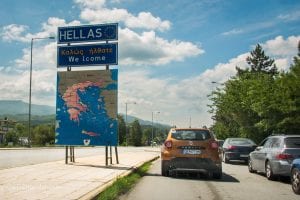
(5, 126)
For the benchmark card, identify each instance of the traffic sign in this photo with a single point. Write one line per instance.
(87, 33)
(87, 55)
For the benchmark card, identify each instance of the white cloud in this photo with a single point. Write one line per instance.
(233, 32)
(293, 16)
(147, 48)
(223, 71)
(281, 47)
(13, 32)
(16, 86)
(101, 14)
(283, 50)
(43, 57)
(147, 21)
(91, 3)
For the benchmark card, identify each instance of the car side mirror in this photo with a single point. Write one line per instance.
(258, 148)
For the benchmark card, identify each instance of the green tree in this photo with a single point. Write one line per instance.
(43, 134)
(146, 139)
(21, 130)
(136, 133)
(245, 106)
(122, 130)
(288, 96)
(259, 62)
(11, 136)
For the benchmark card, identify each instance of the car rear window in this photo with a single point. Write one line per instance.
(292, 142)
(241, 141)
(191, 135)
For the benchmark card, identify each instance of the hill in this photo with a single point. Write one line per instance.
(18, 107)
(18, 110)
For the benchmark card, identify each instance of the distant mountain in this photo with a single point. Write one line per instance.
(130, 119)
(15, 107)
(18, 110)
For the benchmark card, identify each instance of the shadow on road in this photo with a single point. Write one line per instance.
(237, 162)
(101, 166)
(281, 179)
(197, 176)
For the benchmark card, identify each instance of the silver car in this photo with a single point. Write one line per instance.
(275, 155)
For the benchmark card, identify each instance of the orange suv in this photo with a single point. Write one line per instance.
(191, 150)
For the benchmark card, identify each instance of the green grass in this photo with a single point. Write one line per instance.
(122, 185)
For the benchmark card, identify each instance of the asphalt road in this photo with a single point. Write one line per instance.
(20, 157)
(237, 183)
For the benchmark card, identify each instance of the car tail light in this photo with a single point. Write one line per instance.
(284, 156)
(230, 147)
(214, 145)
(168, 144)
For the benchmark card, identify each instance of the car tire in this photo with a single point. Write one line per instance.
(269, 171)
(295, 180)
(164, 168)
(250, 166)
(217, 175)
(225, 159)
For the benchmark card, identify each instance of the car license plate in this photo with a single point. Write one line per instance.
(191, 151)
(244, 155)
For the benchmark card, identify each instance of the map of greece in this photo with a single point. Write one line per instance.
(86, 108)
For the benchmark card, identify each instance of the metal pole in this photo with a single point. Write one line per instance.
(110, 154)
(126, 126)
(66, 158)
(106, 155)
(30, 82)
(30, 86)
(152, 131)
(117, 156)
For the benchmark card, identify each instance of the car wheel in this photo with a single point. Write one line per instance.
(164, 168)
(295, 179)
(250, 166)
(225, 159)
(269, 171)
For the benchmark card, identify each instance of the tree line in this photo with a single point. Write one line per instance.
(259, 100)
(44, 134)
(140, 135)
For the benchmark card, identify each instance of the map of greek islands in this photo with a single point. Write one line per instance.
(86, 108)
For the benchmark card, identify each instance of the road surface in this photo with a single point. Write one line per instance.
(20, 157)
(237, 183)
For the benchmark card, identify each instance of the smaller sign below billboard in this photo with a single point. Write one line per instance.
(87, 33)
(87, 55)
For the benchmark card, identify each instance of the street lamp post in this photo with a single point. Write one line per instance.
(30, 85)
(126, 103)
(153, 112)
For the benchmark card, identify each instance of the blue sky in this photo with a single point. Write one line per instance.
(169, 51)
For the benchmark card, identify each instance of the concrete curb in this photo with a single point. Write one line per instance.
(94, 193)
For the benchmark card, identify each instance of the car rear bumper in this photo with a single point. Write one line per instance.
(237, 156)
(281, 167)
(201, 165)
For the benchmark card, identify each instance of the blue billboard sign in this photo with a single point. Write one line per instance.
(87, 55)
(87, 33)
(86, 108)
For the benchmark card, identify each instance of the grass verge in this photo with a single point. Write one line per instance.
(122, 185)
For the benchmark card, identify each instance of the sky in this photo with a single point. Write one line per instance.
(170, 52)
